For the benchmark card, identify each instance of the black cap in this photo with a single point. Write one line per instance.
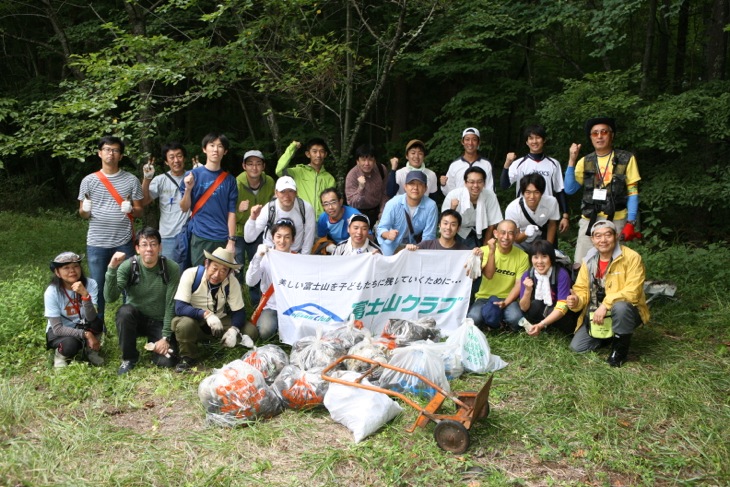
(592, 122)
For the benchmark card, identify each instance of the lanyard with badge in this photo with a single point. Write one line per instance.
(600, 193)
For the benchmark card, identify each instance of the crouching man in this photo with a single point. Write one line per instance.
(209, 303)
(609, 291)
(150, 281)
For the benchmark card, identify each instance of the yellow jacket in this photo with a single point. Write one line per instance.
(624, 282)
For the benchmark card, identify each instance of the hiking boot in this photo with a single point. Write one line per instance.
(59, 360)
(185, 364)
(126, 366)
(619, 350)
(94, 358)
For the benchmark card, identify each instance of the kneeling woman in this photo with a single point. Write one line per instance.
(70, 308)
(543, 291)
(283, 234)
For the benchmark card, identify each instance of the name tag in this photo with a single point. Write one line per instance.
(600, 194)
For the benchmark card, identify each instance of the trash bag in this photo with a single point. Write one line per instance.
(450, 354)
(405, 332)
(363, 412)
(349, 334)
(269, 360)
(315, 352)
(421, 359)
(237, 394)
(299, 389)
(473, 347)
(369, 349)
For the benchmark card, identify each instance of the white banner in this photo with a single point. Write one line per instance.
(313, 290)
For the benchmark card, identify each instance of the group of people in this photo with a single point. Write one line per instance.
(182, 283)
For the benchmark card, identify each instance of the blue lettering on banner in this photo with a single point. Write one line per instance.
(313, 312)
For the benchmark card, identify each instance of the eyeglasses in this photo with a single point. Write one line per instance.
(596, 133)
(109, 150)
(329, 203)
(151, 245)
(284, 221)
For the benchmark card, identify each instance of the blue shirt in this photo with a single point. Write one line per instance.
(211, 221)
(394, 218)
(336, 231)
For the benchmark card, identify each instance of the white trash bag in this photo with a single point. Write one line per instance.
(473, 347)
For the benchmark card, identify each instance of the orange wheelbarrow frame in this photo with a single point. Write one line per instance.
(452, 430)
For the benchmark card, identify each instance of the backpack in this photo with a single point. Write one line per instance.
(133, 278)
(199, 278)
(272, 213)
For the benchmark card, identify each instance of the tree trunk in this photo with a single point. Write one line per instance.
(682, 29)
(717, 40)
(648, 47)
(662, 66)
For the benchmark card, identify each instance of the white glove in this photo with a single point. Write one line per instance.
(473, 266)
(532, 231)
(230, 337)
(262, 249)
(215, 324)
(126, 206)
(330, 248)
(86, 205)
(149, 171)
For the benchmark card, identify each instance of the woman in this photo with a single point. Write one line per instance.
(70, 308)
(543, 291)
(283, 234)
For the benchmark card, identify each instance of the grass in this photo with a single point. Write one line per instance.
(556, 418)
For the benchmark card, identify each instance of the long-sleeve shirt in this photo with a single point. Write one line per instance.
(310, 182)
(372, 195)
(424, 219)
(305, 226)
(193, 303)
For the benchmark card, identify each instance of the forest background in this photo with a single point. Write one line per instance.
(384, 72)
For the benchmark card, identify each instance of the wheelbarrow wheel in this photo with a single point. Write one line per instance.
(451, 436)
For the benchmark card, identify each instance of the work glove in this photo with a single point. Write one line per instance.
(262, 249)
(216, 327)
(86, 205)
(126, 206)
(230, 337)
(473, 266)
(532, 231)
(148, 170)
(629, 232)
(330, 248)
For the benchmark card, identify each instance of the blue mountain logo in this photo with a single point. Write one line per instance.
(313, 312)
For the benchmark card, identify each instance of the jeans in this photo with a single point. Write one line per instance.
(171, 251)
(268, 324)
(510, 315)
(98, 259)
(625, 318)
(244, 253)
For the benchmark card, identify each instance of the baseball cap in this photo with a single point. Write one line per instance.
(286, 182)
(603, 224)
(358, 217)
(415, 143)
(253, 153)
(471, 130)
(416, 175)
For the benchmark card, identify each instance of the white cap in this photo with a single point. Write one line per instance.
(471, 130)
(286, 182)
(253, 153)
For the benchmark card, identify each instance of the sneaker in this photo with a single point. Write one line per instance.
(185, 364)
(94, 358)
(59, 360)
(126, 366)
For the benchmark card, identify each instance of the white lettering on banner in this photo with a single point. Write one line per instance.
(317, 290)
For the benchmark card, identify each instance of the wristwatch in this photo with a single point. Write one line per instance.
(232, 239)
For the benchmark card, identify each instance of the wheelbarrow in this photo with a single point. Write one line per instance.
(452, 430)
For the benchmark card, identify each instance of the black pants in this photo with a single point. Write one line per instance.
(566, 324)
(70, 346)
(132, 323)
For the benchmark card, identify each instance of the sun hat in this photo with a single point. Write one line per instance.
(592, 122)
(223, 257)
(65, 258)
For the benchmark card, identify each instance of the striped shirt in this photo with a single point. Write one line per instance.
(108, 226)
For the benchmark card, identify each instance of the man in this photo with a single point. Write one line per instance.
(255, 187)
(365, 183)
(286, 205)
(214, 193)
(110, 199)
(537, 162)
(149, 281)
(478, 207)
(311, 178)
(449, 223)
(408, 218)
(610, 180)
(471, 158)
(502, 266)
(166, 187)
(209, 303)
(535, 213)
(415, 155)
(609, 287)
(333, 222)
(358, 227)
